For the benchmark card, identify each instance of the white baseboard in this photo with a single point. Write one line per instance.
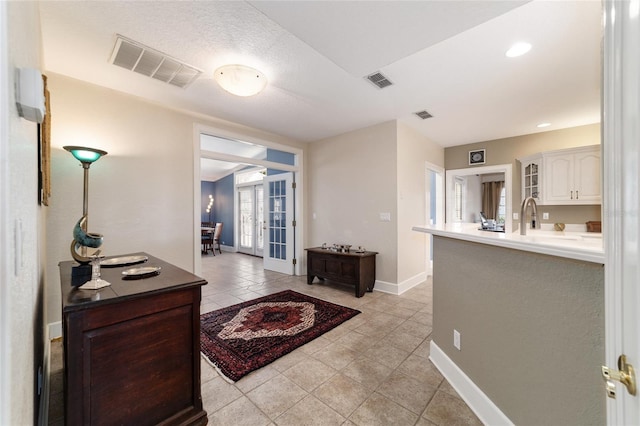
(398, 289)
(55, 330)
(480, 404)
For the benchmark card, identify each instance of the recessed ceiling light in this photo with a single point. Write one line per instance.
(541, 125)
(518, 49)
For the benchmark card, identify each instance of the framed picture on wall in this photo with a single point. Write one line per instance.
(477, 157)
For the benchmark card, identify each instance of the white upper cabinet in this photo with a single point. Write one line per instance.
(572, 176)
(567, 176)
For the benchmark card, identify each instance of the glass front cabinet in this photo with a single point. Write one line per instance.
(531, 177)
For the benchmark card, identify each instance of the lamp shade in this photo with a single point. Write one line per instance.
(240, 80)
(84, 154)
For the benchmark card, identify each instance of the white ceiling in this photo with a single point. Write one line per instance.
(444, 56)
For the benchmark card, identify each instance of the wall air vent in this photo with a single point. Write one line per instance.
(379, 80)
(423, 114)
(144, 60)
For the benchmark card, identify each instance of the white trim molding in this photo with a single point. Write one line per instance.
(478, 401)
(398, 289)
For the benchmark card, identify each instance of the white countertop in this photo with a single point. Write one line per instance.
(586, 246)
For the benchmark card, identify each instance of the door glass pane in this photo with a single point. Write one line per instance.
(246, 217)
(277, 219)
(260, 217)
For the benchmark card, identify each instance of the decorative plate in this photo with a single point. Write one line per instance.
(123, 261)
(141, 272)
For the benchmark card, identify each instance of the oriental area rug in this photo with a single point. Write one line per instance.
(242, 338)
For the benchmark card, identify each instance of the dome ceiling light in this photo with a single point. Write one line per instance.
(240, 80)
(518, 49)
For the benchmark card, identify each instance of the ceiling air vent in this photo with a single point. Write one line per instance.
(423, 114)
(144, 60)
(379, 80)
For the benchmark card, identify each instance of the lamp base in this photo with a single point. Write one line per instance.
(94, 284)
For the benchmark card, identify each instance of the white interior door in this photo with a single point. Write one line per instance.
(279, 223)
(621, 132)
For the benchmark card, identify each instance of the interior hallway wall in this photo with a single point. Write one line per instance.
(413, 151)
(23, 227)
(141, 195)
(351, 180)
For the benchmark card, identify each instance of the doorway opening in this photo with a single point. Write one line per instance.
(239, 172)
(435, 208)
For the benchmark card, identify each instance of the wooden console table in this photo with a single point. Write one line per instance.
(358, 269)
(132, 350)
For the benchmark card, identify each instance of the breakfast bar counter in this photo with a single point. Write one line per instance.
(583, 246)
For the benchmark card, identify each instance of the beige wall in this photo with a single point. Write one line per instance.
(413, 151)
(21, 298)
(358, 175)
(506, 151)
(141, 193)
(351, 180)
(531, 329)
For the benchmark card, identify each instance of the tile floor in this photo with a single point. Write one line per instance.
(371, 370)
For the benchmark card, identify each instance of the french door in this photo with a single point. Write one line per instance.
(251, 219)
(279, 223)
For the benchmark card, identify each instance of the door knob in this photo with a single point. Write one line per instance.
(625, 375)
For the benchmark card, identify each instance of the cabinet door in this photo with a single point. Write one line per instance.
(558, 175)
(532, 180)
(587, 177)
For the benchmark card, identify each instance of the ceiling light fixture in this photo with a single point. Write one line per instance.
(541, 125)
(240, 80)
(518, 49)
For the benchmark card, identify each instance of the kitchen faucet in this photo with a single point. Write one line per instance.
(523, 213)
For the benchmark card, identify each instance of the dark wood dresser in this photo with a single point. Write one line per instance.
(358, 269)
(132, 350)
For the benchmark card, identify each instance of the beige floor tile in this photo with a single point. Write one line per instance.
(217, 393)
(357, 342)
(240, 412)
(420, 369)
(336, 333)
(256, 378)
(445, 409)
(276, 396)
(289, 360)
(386, 354)
(414, 328)
(315, 345)
(367, 372)
(412, 394)
(425, 422)
(310, 411)
(207, 372)
(424, 350)
(445, 386)
(342, 394)
(379, 410)
(423, 318)
(309, 374)
(336, 356)
(402, 340)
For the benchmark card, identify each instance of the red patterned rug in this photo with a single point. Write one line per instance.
(242, 338)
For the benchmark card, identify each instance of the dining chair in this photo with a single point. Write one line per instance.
(216, 238)
(206, 239)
